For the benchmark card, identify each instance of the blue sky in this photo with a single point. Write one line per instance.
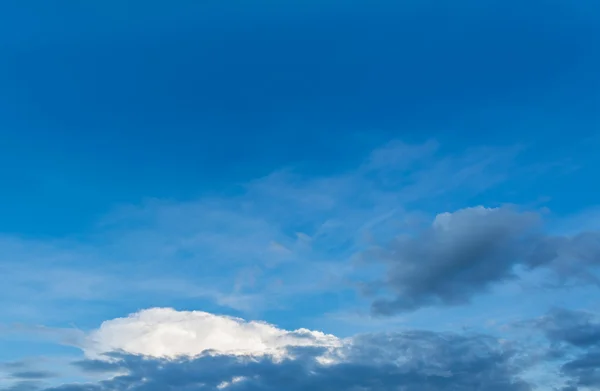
(362, 169)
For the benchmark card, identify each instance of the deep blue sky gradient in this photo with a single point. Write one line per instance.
(105, 103)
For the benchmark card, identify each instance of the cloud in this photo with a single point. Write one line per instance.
(483, 369)
(168, 349)
(167, 333)
(296, 232)
(584, 370)
(464, 253)
(575, 328)
(26, 385)
(32, 375)
(18, 376)
(575, 338)
(572, 257)
(34, 372)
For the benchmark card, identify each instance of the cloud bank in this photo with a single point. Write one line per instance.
(161, 349)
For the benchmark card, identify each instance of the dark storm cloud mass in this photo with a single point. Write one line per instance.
(576, 334)
(463, 253)
(410, 361)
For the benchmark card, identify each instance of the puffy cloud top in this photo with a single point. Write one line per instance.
(167, 333)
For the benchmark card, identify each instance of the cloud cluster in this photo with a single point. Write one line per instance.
(291, 229)
(463, 253)
(575, 338)
(155, 354)
(167, 333)
(161, 349)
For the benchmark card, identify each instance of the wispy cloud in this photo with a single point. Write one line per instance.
(282, 235)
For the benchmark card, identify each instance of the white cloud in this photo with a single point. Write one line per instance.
(235, 379)
(167, 333)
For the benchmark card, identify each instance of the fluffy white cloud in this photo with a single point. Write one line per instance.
(167, 333)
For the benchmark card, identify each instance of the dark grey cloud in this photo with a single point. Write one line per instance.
(409, 361)
(569, 256)
(464, 253)
(577, 335)
(576, 328)
(584, 370)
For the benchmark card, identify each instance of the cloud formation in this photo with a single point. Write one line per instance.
(286, 234)
(412, 360)
(167, 333)
(286, 229)
(575, 339)
(463, 253)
